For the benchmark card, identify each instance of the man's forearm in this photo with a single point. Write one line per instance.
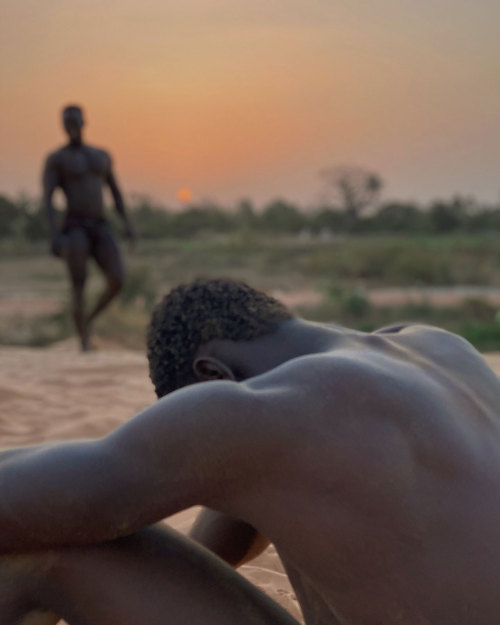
(120, 205)
(120, 209)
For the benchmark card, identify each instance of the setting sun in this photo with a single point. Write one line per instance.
(184, 195)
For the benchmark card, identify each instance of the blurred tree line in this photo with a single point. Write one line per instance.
(23, 218)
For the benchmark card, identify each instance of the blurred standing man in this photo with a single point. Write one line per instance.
(81, 170)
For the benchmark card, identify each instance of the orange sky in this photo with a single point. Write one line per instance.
(234, 99)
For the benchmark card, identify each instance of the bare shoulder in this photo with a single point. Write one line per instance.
(100, 153)
(362, 400)
(54, 158)
(422, 332)
(337, 374)
(428, 333)
(95, 149)
(209, 434)
(198, 409)
(442, 349)
(222, 438)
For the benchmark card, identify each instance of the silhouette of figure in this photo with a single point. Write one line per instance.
(81, 170)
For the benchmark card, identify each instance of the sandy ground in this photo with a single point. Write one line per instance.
(398, 296)
(58, 393)
(16, 303)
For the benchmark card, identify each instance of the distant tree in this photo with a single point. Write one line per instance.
(151, 220)
(328, 220)
(11, 215)
(202, 218)
(352, 188)
(37, 226)
(282, 216)
(484, 220)
(246, 216)
(446, 217)
(398, 217)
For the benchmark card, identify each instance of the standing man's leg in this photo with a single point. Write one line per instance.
(76, 251)
(107, 256)
(155, 576)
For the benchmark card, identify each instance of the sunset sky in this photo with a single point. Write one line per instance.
(233, 99)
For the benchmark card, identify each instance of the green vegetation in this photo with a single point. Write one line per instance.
(22, 219)
(475, 319)
(281, 249)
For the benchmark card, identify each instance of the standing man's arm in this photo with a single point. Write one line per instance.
(119, 203)
(51, 180)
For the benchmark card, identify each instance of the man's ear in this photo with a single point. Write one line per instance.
(207, 368)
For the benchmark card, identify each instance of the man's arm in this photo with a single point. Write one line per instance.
(175, 454)
(233, 540)
(50, 182)
(119, 203)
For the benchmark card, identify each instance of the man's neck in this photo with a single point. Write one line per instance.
(298, 337)
(291, 339)
(75, 142)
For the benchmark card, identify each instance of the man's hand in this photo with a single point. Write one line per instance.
(58, 246)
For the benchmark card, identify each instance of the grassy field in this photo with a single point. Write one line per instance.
(344, 272)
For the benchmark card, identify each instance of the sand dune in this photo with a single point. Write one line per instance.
(58, 394)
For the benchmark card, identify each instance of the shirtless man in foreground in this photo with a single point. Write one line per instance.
(371, 461)
(81, 170)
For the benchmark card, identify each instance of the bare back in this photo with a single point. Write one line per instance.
(384, 501)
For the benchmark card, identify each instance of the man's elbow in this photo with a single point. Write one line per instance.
(235, 541)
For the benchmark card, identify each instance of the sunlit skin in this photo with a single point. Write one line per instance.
(371, 461)
(81, 171)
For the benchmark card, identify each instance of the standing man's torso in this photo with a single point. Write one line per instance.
(82, 171)
(384, 499)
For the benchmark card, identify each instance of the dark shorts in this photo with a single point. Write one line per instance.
(97, 231)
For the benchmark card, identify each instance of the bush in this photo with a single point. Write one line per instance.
(139, 288)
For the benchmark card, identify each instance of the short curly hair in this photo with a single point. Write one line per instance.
(196, 313)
